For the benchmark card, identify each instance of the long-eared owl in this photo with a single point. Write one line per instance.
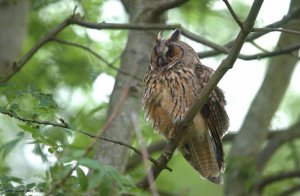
(173, 82)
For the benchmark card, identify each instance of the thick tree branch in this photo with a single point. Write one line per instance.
(166, 5)
(254, 131)
(275, 178)
(149, 26)
(226, 64)
(275, 142)
(291, 190)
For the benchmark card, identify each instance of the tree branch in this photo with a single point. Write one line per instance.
(293, 14)
(236, 18)
(110, 65)
(145, 154)
(267, 30)
(166, 5)
(65, 125)
(77, 19)
(275, 178)
(149, 26)
(229, 137)
(17, 66)
(291, 190)
(226, 64)
(262, 55)
(275, 142)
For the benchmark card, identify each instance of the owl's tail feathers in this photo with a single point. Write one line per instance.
(205, 154)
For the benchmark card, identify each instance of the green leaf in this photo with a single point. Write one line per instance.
(3, 110)
(90, 163)
(46, 100)
(106, 186)
(82, 178)
(14, 107)
(9, 146)
(39, 151)
(28, 128)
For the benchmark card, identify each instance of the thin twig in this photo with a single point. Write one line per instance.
(107, 124)
(233, 14)
(267, 30)
(145, 153)
(17, 66)
(77, 19)
(65, 125)
(96, 55)
(285, 19)
(282, 51)
(258, 46)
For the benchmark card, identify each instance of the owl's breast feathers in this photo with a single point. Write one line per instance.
(168, 96)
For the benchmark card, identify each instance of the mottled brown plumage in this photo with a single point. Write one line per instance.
(172, 84)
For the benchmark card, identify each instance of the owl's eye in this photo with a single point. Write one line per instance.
(170, 54)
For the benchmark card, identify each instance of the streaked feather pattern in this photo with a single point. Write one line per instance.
(172, 84)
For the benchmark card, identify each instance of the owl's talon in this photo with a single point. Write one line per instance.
(177, 120)
(171, 134)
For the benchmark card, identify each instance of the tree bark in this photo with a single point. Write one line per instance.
(13, 23)
(242, 173)
(134, 61)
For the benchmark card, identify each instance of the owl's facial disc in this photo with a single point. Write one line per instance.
(162, 55)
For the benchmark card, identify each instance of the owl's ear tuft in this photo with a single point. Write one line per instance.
(158, 38)
(175, 36)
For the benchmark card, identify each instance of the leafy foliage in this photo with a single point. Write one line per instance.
(53, 142)
(58, 83)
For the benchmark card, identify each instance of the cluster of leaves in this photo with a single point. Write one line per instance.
(51, 142)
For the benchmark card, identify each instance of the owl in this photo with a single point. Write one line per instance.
(173, 82)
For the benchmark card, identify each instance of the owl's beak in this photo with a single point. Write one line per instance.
(162, 60)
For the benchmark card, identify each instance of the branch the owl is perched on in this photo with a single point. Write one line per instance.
(173, 82)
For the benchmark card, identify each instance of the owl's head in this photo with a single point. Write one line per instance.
(169, 52)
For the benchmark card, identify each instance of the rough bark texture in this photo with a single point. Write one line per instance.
(14, 15)
(134, 60)
(242, 172)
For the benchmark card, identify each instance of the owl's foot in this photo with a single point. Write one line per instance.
(171, 134)
(178, 120)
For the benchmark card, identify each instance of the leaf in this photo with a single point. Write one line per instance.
(28, 128)
(90, 163)
(106, 186)
(46, 100)
(14, 107)
(3, 110)
(39, 151)
(9, 146)
(82, 178)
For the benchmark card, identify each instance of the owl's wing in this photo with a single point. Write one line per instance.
(214, 110)
(216, 123)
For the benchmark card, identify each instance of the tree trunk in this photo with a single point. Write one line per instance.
(13, 23)
(134, 60)
(242, 173)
